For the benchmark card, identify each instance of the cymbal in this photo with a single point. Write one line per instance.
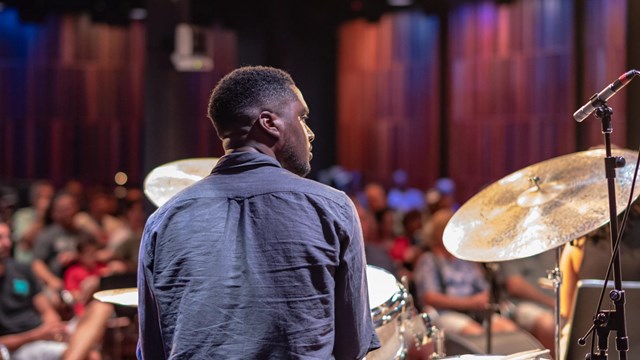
(538, 208)
(126, 296)
(163, 182)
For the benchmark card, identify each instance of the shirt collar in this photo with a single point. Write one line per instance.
(242, 161)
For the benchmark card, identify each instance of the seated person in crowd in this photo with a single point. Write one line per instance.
(588, 258)
(127, 251)
(406, 247)
(403, 198)
(533, 304)
(30, 327)
(29, 221)
(376, 251)
(55, 246)
(82, 278)
(456, 288)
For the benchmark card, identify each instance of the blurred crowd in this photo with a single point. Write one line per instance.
(59, 247)
(403, 232)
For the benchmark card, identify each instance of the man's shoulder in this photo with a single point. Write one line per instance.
(270, 180)
(51, 231)
(14, 268)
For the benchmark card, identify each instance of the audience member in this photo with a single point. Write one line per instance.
(440, 196)
(588, 258)
(534, 304)
(406, 247)
(376, 199)
(100, 220)
(29, 326)
(55, 246)
(376, 251)
(76, 189)
(127, 251)
(456, 288)
(29, 221)
(402, 198)
(82, 278)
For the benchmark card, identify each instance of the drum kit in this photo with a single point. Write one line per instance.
(536, 209)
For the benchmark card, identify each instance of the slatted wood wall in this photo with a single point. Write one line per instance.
(604, 59)
(72, 99)
(388, 95)
(511, 92)
(511, 89)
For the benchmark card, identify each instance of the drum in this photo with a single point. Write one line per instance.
(475, 357)
(536, 354)
(397, 323)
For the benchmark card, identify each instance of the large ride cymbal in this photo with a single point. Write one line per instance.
(163, 182)
(538, 208)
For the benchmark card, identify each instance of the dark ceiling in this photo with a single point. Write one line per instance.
(232, 13)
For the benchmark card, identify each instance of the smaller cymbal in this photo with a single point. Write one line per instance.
(126, 296)
(165, 181)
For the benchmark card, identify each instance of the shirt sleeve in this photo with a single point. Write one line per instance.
(355, 333)
(150, 343)
(426, 276)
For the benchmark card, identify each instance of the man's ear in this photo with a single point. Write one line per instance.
(270, 123)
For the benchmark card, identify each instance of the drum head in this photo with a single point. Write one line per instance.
(476, 357)
(382, 285)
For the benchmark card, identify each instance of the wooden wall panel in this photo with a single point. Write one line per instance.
(604, 61)
(75, 101)
(72, 99)
(388, 97)
(511, 92)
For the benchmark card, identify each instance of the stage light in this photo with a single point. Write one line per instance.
(121, 178)
(138, 14)
(400, 3)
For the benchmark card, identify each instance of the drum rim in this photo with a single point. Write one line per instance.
(396, 305)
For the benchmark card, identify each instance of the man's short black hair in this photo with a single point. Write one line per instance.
(244, 91)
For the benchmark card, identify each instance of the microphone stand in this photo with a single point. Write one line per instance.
(605, 321)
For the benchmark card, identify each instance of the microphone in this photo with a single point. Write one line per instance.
(604, 95)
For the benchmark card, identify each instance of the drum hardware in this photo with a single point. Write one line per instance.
(432, 334)
(401, 330)
(391, 309)
(542, 207)
(605, 321)
(555, 277)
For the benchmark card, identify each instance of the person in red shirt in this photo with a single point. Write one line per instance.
(82, 278)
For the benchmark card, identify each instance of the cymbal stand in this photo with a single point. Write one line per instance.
(555, 276)
(494, 301)
(605, 321)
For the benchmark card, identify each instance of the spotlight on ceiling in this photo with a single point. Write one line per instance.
(137, 14)
(399, 3)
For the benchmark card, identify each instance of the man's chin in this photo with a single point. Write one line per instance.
(301, 170)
